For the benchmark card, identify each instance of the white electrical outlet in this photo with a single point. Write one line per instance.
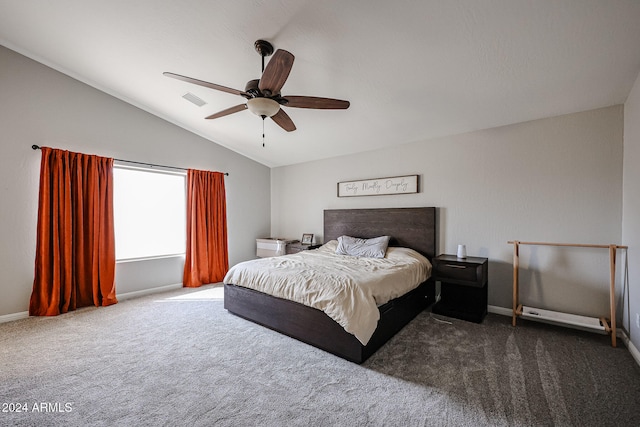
(637, 320)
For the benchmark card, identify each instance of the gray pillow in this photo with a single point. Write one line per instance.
(370, 248)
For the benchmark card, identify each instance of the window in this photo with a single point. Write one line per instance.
(149, 212)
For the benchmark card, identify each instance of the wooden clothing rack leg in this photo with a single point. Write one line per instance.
(602, 323)
(517, 309)
(612, 293)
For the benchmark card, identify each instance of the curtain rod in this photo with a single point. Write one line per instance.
(37, 147)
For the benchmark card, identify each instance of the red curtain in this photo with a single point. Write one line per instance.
(75, 248)
(207, 259)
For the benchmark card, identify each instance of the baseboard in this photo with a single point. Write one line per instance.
(149, 291)
(14, 316)
(500, 310)
(25, 314)
(634, 351)
(632, 348)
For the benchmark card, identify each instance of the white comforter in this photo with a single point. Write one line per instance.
(348, 289)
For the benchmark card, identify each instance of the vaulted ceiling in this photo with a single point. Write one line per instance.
(412, 70)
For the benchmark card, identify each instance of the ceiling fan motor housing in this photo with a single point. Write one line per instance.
(251, 88)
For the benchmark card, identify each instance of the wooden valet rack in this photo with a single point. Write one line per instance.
(602, 323)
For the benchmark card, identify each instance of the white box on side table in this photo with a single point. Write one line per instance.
(272, 246)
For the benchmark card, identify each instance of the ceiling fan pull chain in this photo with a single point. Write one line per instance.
(263, 129)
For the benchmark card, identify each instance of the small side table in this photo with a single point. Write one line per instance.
(463, 287)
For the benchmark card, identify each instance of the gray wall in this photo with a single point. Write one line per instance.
(557, 180)
(41, 106)
(631, 212)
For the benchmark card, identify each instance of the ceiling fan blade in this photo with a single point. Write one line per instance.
(283, 120)
(228, 111)
(203, 83)
(317, 103)
(276, 72)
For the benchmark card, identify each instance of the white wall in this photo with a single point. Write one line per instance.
(631, 206)
(44, 107)
(557, 179)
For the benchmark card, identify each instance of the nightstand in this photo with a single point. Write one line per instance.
(463, 287)
(294, 248)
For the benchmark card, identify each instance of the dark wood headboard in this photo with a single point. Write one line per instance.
(413, 228)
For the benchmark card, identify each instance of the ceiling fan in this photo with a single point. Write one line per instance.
(263, 96)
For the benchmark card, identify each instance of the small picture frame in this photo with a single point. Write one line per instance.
(307, 239)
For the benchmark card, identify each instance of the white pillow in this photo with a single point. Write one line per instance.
(370, 248)
(330, 246)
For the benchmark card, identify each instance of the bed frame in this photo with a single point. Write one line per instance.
(409, 227)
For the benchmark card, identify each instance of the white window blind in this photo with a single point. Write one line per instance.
(149, 212)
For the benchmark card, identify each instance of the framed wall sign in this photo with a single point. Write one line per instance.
(379, 186)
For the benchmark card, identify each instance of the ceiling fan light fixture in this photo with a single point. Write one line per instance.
(266, 107)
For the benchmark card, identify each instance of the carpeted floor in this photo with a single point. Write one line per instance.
(179, 358)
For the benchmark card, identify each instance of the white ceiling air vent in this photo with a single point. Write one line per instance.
(194, 99)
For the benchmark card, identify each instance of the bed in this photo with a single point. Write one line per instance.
(413, 228)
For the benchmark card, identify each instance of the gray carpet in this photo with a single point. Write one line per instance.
(179, 358)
